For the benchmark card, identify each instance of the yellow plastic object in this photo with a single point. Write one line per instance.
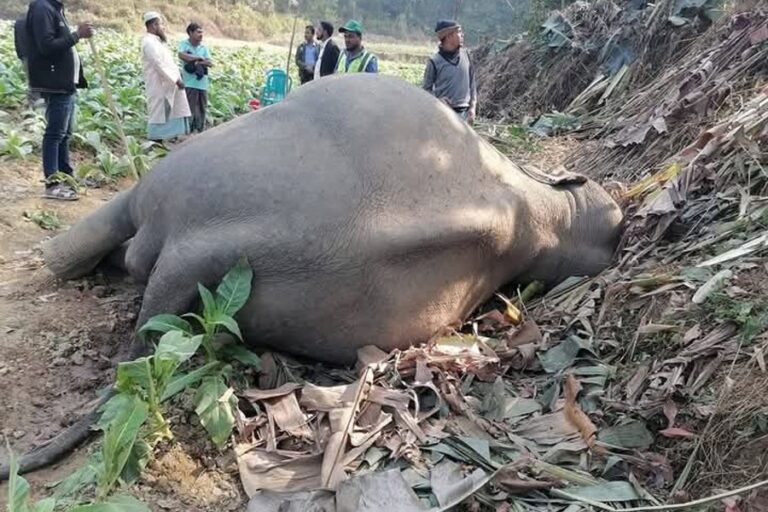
(671, 171)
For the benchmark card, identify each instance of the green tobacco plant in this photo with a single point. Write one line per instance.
(18, 491)
(46, 219)
(214, 401)
(133, 420)
(15, 145)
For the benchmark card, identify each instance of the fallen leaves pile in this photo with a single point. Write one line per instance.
(425, 428)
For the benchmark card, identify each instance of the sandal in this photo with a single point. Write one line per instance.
(60, 192)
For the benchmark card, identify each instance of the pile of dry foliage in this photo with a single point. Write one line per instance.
(676, 124)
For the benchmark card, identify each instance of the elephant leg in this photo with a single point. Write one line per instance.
(172, 289)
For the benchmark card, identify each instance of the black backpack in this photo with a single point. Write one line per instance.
(21, 38)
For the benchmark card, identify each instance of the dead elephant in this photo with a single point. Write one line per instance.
(369, 213)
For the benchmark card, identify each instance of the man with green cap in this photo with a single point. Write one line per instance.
(355, 59)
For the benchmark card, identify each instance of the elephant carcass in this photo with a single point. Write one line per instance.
(369, 213)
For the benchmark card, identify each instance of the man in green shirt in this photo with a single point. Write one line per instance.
(355, 59)
(195, 59)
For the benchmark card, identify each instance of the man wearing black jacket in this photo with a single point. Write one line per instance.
(56, 73)
(329, 52)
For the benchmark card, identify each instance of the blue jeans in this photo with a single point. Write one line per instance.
(60, 118)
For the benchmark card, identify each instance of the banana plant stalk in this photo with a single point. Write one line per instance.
(113, 108)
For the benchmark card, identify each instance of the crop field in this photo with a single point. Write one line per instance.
(236, 78)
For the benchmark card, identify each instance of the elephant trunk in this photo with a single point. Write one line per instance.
(78, 251)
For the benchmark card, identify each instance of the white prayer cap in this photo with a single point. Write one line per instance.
(151, 15)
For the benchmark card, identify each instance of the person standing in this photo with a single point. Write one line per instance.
(355, 59)
(167, 104)
(54, 71)
(306, 55)
(329, 51)
(449, 74)
(196, 60)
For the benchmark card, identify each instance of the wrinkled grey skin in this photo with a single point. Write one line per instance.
(369, 212)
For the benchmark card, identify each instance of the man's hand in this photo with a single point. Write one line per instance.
(471, 115)
(179, 84)
(85, 31)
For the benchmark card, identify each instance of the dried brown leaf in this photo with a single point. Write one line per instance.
(256, 395)
(548, 429)
(677, 432)
(277, 471)
(423, 373)
(342, 425)
(574, 414)
(525, 334)
(368, 355)
(326, 398)
(288, 416)
(670, 411)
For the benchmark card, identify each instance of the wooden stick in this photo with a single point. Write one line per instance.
(113, 108)
(290, 47)
(660, 508)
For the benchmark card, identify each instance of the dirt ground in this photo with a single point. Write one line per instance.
(59, 345)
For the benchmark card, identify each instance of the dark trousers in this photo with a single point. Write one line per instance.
(60, 119)
(306, 76)
(198, 104)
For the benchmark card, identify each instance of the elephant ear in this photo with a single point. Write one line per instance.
(559, 177)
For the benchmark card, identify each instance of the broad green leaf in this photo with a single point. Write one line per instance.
(210, 308)
(514, 408)
(113, 408)
(18, 487)
(46, 505)
(242, 354)
(163, 368)
(606, 492)
(178, 345)
(119, 440)
(117, 503)
(200, 319)
(134, 376)
(215, 404)
(164, 324)
(182, 381)
(73, 485)
(137, 461)
(235, 288)
(563, 355)
(228, 323)
(633, 434)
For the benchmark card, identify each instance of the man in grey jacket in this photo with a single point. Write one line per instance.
(449, 74)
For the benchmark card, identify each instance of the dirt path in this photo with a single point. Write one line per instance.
(57, 340)
(59, 345)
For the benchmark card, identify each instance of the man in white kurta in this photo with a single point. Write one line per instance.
(166, 100)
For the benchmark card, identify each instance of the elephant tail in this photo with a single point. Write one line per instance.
(78, 251)
(55, 449)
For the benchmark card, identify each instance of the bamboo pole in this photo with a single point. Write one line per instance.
(290, 47)
(113, 108)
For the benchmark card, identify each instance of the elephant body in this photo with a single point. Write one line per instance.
(369, 213)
